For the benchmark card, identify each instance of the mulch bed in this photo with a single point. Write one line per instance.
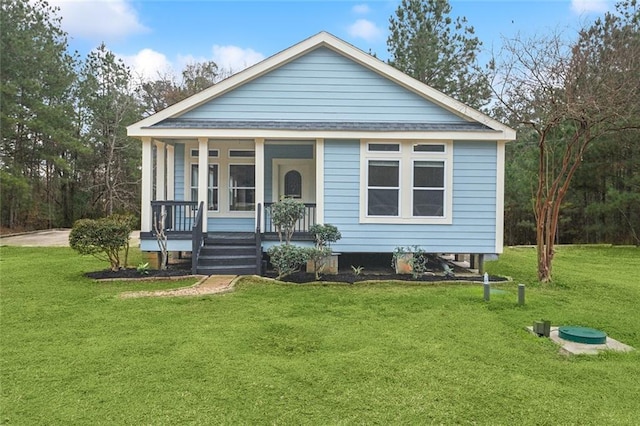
(132, 273)
(350, 278)
(297, 278)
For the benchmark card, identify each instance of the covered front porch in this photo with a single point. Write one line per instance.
(232, 198)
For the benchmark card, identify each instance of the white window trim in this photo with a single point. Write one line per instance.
(394, 158)
(443, 188)
(406, 157)
(235, 157)
(193, 163)
(213, 153)
(247, 213)
(222, 146)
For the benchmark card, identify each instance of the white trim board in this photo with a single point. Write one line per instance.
(322, 39)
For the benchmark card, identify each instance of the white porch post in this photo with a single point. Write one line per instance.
(170, 172)
(319, 180)
(203, 173)
(259, 170)
(146, 187)
(160, 168)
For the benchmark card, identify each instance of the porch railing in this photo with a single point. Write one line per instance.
(180, 215)
(302, 225)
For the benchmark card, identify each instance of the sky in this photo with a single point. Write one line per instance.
(161, 36)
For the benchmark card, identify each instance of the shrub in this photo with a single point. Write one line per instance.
(102, 238)
(287, 258)
(325, 234)
(284, 215)
(318, 256)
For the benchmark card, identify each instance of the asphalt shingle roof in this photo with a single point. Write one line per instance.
(176, 123)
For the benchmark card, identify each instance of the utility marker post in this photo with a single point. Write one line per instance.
(487, 287)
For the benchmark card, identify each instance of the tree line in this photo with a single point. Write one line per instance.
(571, 177)
(65, 154)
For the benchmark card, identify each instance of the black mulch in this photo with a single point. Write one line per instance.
(350, 278)
(374, 270)
(131, 273)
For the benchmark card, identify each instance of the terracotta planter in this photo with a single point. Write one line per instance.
(403, 263)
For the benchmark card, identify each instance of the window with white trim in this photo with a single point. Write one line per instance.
(383, 189)
(213, 153)
(212, 186)
(428, 188)
(406, 182)
(242, 187)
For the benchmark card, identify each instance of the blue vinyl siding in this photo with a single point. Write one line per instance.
(303, 151)
(322, 86)
(231, 224)
(474, 204)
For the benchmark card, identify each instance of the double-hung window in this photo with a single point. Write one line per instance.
(242, 187)
(406, 182)
(212, 186)
(383, 192)
(428, 188)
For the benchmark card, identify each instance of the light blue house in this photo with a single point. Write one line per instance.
(388, 160)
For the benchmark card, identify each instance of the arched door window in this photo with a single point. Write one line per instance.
(293, 184)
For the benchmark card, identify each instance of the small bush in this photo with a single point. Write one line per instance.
(325, 234)
(284, 215)
(102, 238)
(287, 258)
(318, 256)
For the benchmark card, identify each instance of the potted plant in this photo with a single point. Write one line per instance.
(409, 260)
(321, 258)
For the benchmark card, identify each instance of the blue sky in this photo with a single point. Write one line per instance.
(163, 35)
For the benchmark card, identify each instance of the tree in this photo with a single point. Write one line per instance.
(606, 192)
(427, 44)
(106, 106)
(165, 91)
(570, 95)
(36, 118)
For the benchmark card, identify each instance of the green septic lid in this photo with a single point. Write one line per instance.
(590, 336)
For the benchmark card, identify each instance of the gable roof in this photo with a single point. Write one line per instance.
(164, 118)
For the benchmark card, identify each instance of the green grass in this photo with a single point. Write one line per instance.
(72, 352)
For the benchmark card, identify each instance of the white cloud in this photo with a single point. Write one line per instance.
(148, 64)
(361, 9)
(99, 19)
(235, 58)
(588, 6)
(365, 29)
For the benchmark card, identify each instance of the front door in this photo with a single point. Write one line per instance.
(294, 179)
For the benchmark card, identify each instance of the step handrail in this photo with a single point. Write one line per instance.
(197, 239)
(258, 239)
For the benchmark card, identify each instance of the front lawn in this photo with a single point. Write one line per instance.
(72, 352)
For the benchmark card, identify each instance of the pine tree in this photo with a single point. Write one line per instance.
(426, 43)
(38, 143)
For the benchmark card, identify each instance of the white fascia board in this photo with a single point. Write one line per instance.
(417, 87)
(322, 39)
(314, 134)
(242, 77)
